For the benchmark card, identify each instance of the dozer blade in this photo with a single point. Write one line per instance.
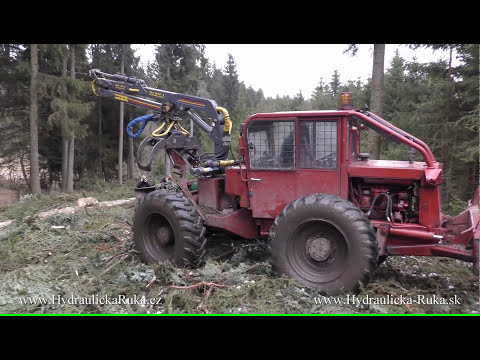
(465, 230)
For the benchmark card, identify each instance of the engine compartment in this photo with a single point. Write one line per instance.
(390, 200)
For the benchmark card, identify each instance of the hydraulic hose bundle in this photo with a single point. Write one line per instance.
(388, 209)
(151, 117)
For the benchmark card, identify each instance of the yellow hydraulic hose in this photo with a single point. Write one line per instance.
(228, 123)
(93, 87)
(226, 162)
(184, 131)
(161, 127)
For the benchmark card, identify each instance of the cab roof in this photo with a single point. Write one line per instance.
(307, 113)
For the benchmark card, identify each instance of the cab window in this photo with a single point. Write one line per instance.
(271, 144)
(317, 144)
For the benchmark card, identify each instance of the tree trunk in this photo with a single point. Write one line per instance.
(131, 159)
(99, 160)
(120, 146)
(71, 141)
(71, 158)
(64, 130)
(34, 165)
(120, 134)
(64, 162)
(446, 135)
(100, 141)
(24, 171)
(376, 99)
(167, 71)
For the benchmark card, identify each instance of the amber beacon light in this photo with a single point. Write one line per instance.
(346, 101)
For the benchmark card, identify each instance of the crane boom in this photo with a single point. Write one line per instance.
(134, 91)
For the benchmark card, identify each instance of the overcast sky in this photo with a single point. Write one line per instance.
(286, 69)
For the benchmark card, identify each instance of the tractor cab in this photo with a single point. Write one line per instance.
(295, 153)
(298, 153)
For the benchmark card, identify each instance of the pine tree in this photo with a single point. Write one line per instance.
(298, 102)
(335, 83)
(63, 95)
(322, 98)
(464, 158)
(178, 67)
(396, 95)
(15, 69)
(230, 84)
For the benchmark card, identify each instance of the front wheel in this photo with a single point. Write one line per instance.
(324, 241)
(168, 227)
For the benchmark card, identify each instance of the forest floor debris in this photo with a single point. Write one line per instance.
(85, 262)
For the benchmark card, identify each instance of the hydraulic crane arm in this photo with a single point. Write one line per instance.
(134, 91)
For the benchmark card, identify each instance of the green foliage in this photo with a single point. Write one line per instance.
(416, 99)
(179, 67)
(92, 256)
(455, 206)
(323, 97)
(422, 100)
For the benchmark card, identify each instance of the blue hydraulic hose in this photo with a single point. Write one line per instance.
(143, 119)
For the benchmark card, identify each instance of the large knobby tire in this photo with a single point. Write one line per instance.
(325, 242)
(168, 227)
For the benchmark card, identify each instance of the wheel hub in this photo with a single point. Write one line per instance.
(319, 249)
(163, 235)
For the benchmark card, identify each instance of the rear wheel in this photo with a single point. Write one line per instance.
(324, 241)
(168, 227)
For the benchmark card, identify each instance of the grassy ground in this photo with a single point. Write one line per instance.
(91, 266)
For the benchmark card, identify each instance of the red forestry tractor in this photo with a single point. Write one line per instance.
(329, 213)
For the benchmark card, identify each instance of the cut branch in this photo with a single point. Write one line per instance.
(203, 283)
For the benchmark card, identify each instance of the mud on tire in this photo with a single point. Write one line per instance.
(168, 227)
(324, 241)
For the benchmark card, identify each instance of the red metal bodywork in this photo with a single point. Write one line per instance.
(246, 201)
